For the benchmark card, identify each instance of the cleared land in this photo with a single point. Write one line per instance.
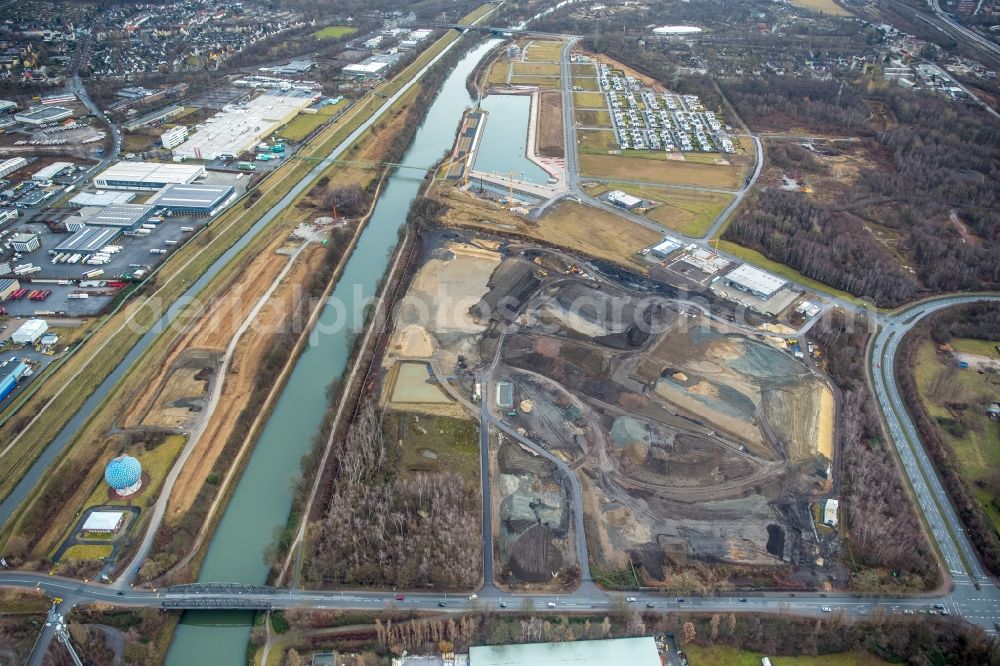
(690, 213)
(549, 140)
(662, 170)
(596, 142)
(589, 100)
(957, 399)
(540, 81)
(823, 6)
(989, 348)
(499, 72)
(570, 225)
(543, 51)
(334, 31)
(536, 69)
(589, 118)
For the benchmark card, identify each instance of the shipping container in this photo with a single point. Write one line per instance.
(187, 229)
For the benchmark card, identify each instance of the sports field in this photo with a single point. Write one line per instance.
(334, 32)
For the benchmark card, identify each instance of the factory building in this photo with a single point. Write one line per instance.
(754, 281)
(8, 167)
(666, 247)
(39, 115)
(89, 240)
(100, 199)
(173, 137)
(125, 217)
(53, 170)
(9, 381)
(25, 242)
(623, 200)
(640, 651)
(240, 127)
(104, 522)
(7, 287)
(193, 199)
(147, 175)
(29, 332)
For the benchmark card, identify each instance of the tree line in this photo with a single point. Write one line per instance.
(884, 531)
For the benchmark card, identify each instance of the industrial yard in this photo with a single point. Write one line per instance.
(700, 447)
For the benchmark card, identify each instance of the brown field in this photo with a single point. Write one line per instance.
(499, 71)
(536, 69)
(596, 141)
(549, 138)
(823, 7)
(593, 118)
(569, 225)
(546, 82)
(589, 100)
(669, 172)
(548, 51)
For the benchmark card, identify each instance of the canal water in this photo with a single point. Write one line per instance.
(262, 498)
(503, 145)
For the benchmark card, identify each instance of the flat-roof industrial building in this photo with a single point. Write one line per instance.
(623, 200)
(197, 199)
(51, 171)
(101, 198)
(120, 216)
(240, 127)
(147, 175)
(13, 164)
(107, 522)
(755, 281)
(89, 240)
(612, 652)
(40, 115)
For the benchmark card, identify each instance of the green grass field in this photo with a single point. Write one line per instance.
(582, 69)
(589, 100)
(540, 81)
(536, 69)
(334, 32)
(87, 552)
(454, 442)
(981, 347)
(299, 127)
(717, 655)
(596, 141)
(970, 433)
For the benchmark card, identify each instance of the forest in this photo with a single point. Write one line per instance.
(883, 526)
(935, 188)
(383, 529)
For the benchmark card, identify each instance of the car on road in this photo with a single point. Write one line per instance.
(650, 605)
(399, 597)
(826, 609)
(680, 600)
(441, 604)
(630, 599)
(939, 606)
(551, 604)
(503, 604)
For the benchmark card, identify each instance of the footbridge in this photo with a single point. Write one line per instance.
(498, 30)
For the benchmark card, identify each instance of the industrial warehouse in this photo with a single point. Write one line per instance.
(125, 217)
(147, 175)
(755, 281)
(40, 115)
(89, 240)
(239, 128)
(193, 199)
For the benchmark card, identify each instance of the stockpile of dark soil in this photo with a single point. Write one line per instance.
(511, 283)
(534, 557)
(512, 459)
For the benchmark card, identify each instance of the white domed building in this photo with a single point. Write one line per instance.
(124, 475)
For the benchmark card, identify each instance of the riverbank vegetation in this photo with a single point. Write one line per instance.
(949, 407)
(386, 529)
(886, 543)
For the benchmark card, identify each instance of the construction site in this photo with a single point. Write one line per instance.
(699, 446)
